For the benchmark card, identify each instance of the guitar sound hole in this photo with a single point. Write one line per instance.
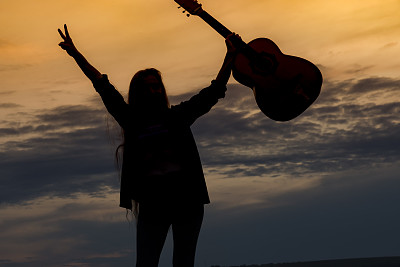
(264, 63)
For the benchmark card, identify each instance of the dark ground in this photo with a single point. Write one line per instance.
(364, 262)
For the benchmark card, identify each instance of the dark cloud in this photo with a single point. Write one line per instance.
(68, 153)
(333, 134)
(71, 116)
(67, 149)
(371, 85)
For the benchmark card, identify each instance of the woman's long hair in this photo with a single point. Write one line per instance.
(138, 91)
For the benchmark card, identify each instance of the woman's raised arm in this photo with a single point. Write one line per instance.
(91, 72)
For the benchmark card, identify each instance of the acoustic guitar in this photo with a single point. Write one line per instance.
(284, 86)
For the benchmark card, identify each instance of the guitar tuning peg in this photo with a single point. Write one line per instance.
(187, 15)
(179, 7)
(183, 11)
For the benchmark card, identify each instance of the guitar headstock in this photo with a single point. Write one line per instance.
(191, 6)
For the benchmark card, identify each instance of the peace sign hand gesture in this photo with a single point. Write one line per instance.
(67, 45)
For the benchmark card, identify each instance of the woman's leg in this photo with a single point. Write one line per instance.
(186, 226)
(152, 230)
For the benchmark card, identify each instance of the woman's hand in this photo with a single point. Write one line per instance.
(67, 45)
(232, 42)
(91, 72)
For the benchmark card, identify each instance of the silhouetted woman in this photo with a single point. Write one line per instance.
(161, 169)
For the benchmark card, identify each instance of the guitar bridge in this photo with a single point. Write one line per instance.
(298, 89)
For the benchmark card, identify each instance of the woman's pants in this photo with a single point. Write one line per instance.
(154, 220)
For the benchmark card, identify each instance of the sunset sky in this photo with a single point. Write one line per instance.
(322, 186)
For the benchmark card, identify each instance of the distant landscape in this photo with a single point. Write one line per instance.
(364, 262)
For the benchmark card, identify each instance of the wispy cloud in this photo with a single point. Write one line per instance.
(13, 67)
(4, 43)
(9, 105)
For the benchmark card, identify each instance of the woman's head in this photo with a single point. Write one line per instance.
(147, 91)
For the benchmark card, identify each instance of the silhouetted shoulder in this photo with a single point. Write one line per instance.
(113, 100)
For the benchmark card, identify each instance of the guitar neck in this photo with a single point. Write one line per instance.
(265, 65)
(221, 29)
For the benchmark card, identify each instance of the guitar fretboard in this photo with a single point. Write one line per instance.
(221, 29)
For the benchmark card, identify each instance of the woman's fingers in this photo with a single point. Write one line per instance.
(61, 34)
(66, 31)
(65, 36)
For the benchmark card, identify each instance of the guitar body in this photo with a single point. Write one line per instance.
(284, 86)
